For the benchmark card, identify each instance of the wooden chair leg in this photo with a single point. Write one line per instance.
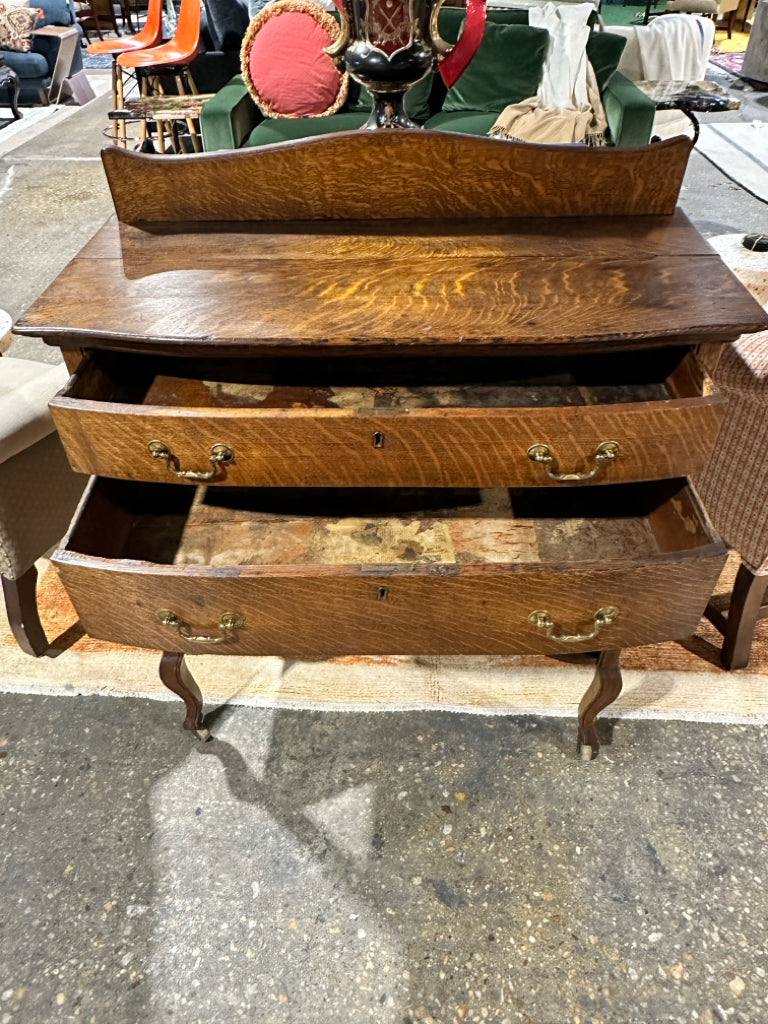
(746, 608)
(23, 616)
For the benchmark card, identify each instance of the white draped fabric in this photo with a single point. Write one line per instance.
(567, 105)
(675, 47)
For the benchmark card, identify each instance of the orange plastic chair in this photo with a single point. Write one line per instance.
(151, 34)
(177, 53)
(172, 58)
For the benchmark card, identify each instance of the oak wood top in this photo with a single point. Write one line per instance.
(393, 174)
(416, 287)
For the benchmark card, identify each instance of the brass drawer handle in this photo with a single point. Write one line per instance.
(605, 452)
(228, 624)
(543, 620)
(220, 455)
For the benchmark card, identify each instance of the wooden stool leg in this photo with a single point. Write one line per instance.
(122, 134)
(183, 85)
(115, 124)
(603, 690)
(23, 616)
(191, 86)
(176, 676)
(745, 609)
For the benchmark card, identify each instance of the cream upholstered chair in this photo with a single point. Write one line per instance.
(38, 490)
(734, 483)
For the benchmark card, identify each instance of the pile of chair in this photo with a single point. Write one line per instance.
(145, 64)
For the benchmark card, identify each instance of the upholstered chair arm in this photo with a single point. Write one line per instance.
(629, 112)
(228, 119)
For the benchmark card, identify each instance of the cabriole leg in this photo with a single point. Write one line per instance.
(176, 676)
(603, 690)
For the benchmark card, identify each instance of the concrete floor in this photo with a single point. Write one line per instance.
(310, 868)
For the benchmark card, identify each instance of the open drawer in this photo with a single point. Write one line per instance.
(329, 572)
(405, 422)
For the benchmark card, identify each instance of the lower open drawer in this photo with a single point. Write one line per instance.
(330, 572)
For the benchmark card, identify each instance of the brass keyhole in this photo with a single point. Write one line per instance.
(379, 439)
(382, 593)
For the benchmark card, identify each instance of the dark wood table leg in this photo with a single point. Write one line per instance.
(23, 616)
(176, 676)
(603, 690)
(9, 81)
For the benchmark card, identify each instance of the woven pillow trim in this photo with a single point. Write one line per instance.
(322, 17)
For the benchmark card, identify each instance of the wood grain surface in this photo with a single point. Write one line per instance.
(524, 287)
(480, 441)
(306, 599)
(393, 174)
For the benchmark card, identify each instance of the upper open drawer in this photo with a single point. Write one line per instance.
(405, 422)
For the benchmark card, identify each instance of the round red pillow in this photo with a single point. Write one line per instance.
(284, 64)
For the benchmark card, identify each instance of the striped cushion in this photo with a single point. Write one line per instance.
(734, 484)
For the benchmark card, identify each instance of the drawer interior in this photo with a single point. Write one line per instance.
(170, 524)
(379, 384)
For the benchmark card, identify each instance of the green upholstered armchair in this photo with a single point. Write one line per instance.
(232, 120)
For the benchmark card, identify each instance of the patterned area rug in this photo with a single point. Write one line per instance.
(680, 679)
(730, 62)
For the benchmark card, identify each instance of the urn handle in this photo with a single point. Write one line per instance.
(454, 60)
(439, 43)
(342, 41)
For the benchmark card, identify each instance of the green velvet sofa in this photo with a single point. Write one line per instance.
(506, 69)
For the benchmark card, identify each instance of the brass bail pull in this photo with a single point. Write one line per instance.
(541, 619)
(220, 455)
(229, 623)
(606, 451)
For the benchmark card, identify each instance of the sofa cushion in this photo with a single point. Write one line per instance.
(506, 69)
(16, 25)
(468, 122)
(55, 12)
(308, 84)
(286, 129)
(416, 99)
(451, 19)
(604, 50)
(27, 65)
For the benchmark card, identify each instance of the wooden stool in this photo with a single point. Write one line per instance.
(172, 58)
(149, 36)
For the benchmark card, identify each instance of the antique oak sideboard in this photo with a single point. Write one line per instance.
(392, 393)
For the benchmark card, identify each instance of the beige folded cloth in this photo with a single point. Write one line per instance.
(529, 121)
